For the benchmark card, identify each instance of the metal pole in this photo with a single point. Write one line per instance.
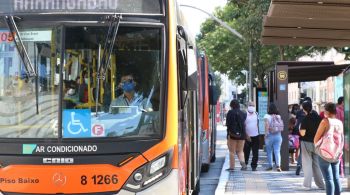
(247, 85)
(250, 74)
(233, 31)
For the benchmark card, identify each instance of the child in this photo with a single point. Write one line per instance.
(293, 139)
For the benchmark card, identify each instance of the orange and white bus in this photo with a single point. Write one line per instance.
(208, 111)
(98, 97)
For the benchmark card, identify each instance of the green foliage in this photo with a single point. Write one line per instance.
(229, 55)
(217, 85)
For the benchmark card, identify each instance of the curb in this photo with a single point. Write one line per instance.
(224, 177)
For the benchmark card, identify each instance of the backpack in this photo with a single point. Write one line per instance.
(236, 128)
(330, 146)
(293, 141)
(276, 124)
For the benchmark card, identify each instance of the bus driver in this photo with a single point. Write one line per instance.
(130, 97)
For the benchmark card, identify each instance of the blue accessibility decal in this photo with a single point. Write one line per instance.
(76, 123)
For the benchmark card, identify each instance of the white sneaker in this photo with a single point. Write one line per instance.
(306, 188)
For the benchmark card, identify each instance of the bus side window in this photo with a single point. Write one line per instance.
(182, 65)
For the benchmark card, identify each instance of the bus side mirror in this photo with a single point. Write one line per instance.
(211, 95)
(182, 65)
(181, 31)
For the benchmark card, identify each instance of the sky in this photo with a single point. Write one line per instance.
(197, 17)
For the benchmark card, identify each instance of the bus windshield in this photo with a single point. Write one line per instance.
(128, 95)
(126, 103)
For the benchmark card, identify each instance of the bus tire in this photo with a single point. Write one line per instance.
(213, 158)
(205, 168)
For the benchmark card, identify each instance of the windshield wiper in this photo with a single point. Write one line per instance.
(11, 24)
(107, 51)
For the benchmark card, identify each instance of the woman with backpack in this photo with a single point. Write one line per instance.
(273, 138)
(329, 141)
(309, 157)
(235, 134)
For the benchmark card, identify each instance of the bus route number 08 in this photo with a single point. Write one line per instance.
(99, 179)
(6, 37)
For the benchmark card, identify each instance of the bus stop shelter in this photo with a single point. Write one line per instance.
(289, 72)
(322, 23)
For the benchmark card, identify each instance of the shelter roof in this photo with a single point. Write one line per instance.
(307, 23)
(301, 71)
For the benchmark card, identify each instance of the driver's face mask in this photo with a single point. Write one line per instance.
(128, 85)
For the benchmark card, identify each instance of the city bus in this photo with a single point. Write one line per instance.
(208, 105)
(98, 97)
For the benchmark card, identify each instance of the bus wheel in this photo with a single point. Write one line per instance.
(213, 158)
(205, 168)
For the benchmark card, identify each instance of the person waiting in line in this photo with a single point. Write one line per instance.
(322, 111)
(130, 97)
(293, 138)
(235, 121)
(330, 170)
(273, 140)
(252, 139)
(309, 157)
(340, 116)
(340, 109)
(300, 115)
(294, 110)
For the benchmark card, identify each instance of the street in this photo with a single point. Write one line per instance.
(209, 180)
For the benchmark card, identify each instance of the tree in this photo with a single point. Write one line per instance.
(217, 86)
(229, 55)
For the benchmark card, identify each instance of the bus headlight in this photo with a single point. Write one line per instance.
(158, 164)
(150, 173)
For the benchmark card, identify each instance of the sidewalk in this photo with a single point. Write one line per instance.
(264, 182)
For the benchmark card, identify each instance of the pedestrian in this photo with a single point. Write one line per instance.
(309, 157)
(236, 134)
(294, 110)
(340, 116)
(330, 166)
(340, 109)
(273, 137)
(252, 138)
(300, 115)
(322, 111)
(293, 138)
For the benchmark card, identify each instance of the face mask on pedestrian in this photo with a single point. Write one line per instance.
(251, 109)
(86, 80)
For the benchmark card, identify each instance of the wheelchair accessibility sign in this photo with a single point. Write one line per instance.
(76, 123)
